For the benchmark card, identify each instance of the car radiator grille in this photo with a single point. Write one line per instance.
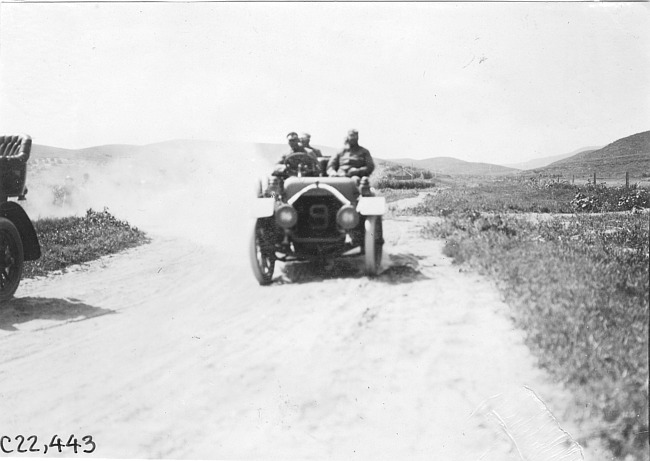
(317, 216)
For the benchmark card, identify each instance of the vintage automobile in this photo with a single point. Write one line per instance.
(307, 215)
(18, 240)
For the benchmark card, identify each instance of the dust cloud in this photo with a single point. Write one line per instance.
(196, 190)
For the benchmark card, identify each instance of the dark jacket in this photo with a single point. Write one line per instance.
(351, 157)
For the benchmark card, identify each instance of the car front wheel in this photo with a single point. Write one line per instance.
(262, 251)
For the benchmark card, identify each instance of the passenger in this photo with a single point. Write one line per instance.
(305, 138)
(294, 143)
(353, 160)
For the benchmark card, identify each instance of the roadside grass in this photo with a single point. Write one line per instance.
(578, 284)
(75, 240)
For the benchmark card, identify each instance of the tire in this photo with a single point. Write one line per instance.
(373, 244)
(11, 259)
(262, 258)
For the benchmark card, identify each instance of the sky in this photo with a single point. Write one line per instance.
(485, 82)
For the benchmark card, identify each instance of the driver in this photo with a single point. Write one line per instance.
(354, 160)
(296, 148)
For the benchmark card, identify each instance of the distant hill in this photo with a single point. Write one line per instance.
(96, 153)
(545, 161)
(630, 154)
(453, 166)
(116, 151)
(40, 151)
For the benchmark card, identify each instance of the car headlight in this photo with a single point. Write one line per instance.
(347, 217)
(286, 216)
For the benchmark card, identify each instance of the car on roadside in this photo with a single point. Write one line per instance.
(18, 239)
(307, 216)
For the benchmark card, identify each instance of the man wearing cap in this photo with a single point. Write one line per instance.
(354, 160)
(294, 143)
(304, 140)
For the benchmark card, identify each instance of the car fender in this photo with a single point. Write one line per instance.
(263, 207)
(371, 206)
(15, 213)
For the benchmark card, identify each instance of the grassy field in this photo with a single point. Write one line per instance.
(511, 195)
(75, 240)
(578, 285)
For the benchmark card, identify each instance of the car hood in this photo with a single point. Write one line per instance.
(346, 186)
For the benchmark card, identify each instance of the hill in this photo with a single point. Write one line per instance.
(96, 153)
(110, 152)
(453, 166)
(545, 161)
(630, 154)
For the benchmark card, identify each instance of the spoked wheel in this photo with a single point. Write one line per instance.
(11, 259)
(373, 244)
(262, 251)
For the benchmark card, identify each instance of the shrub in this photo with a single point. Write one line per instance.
(601, 198)
(386, 183)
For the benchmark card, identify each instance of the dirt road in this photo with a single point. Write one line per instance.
(172, 350)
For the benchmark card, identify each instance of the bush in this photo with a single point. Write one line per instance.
(386, 183)
(74, 240)
(601, 198)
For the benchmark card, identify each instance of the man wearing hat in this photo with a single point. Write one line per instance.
(294, 143)
(304, 140)
(354, 160)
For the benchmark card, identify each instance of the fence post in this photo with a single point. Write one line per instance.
(594, 178)
(627, 179)
(573, 180)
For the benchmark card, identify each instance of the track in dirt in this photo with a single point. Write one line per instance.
(172, 350)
